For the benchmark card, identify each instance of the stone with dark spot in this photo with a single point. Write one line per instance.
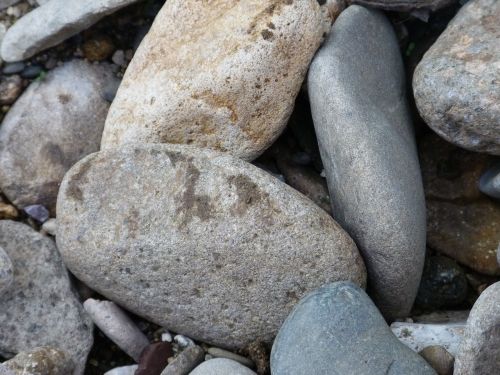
(457, 83)
(198, 241)
(337, 330)
(40, 309)
(56, 122)
(254, 54)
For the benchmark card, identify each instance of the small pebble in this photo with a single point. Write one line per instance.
(6, 272)
(51, 63)
(50, 227)
(183, 341)
(37, 212)
(489, 183)
(99, 48)
(186, 361)
(439, 358)
(119, 58)
(13, 68)
(123, 370)
(221, 353)
(8, 211)
(31, 71)
(166, 337)
(154, 358)
(10, 89)
(221, 366)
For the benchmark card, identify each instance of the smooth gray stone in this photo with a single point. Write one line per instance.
(40, 308)
(185, 361)
(405, 5)
(6, 272)
(337, 330)
(221, 366)
(457, 83)
(198, 241)
(356, 88)
(489, 183)
(479, 352)
(55, 123)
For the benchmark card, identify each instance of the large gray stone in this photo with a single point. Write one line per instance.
(405, 5)
(6, 272)
(490, 181)
(221, 366)
(53, 22)
(356, 88)
(479, 352)
(197, 241)
(457, 83)
(254, 56)
(55, 123)
(337, 330)
(40, 308)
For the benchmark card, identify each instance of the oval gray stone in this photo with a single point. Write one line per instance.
(56, 122)
(457, 83)
(221, 366)
(42, 295)
(489, 182)
(254, 55)
(197, 241)
(6, 272)
(337, 330)
(365, 135)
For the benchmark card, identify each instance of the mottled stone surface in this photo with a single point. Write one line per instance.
(6, 272)
(404, 5)
(221, 366)
(254, 55)
(212, 247)
(53, 22)
(461, 221)
(56, 122)
(338, 330)
(41, 361)
(479, 353)
(365, 135)
(41, 294)
(457, 83)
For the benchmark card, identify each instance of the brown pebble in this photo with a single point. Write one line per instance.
(10, 89)
(8, 212)
(439, 358)
(154, 358)
(98, 48)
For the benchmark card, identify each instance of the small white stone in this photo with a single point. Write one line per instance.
(119, 58)
(124, 370)
(166, 336)
(183, 341)
(50, 227)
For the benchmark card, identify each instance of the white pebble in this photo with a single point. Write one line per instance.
(183, 341)
(50, 227)
(166, 336)
(124, 370)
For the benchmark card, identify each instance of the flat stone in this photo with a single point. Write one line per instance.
(185, 361)
(221, 366)
(41, 361)
(404, 5)
(490, 181)
(479, 352)
(55, 123)
(6, 272)
(202, 243)
(369, 153)
(439, 358)
(53, 22)
(254, 54)
(338, 330)
(457, 83)
(42, 295)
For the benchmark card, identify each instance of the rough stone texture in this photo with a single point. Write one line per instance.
(41, 361)
(461, 222)
(439, 358)
(356, 87)
(55, 123)
(457, 83)
(479, 352)
(6, 272)
(10, 89)
(41, 294)
(404, 5)
(338, 330)
(185, 361)
(53, 22)
(212, 247)
(221, 366)
(254, 55)
(490, 181)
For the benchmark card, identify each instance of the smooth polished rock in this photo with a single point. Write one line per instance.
(489, 183)
(198, 241)
(42, 295)
(356, 87)
(479, 352)
(457, 83)
(56, 122)
(221, 366)
(254, 54)
(338, 330)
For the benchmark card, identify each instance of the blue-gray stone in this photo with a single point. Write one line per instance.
(489, 182)
(357, 92)
(337, 330)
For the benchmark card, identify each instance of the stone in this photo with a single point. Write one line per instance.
(42, 294)
(338, 330)
(123, 370)
(404, 5)
(211, 247)
(489, 183)
(356, 88)
(443, 285)
(6, 272)
(457, 83)
(7, 3)
(255, 55)
(221, 366)
(55, 123)
(462, 223)
(50, 227)
(13, 68)
(479, 352)
(52, 23)
(32, 71)
(154, 358)
(221, 353)
(8, 211)
(98, 48)
(418, 336)
(185, 361)
(439, 358)
(116, 325)
(10, 89)
(37, 212)
(41, 361)
(183, 341)
(258, 352)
